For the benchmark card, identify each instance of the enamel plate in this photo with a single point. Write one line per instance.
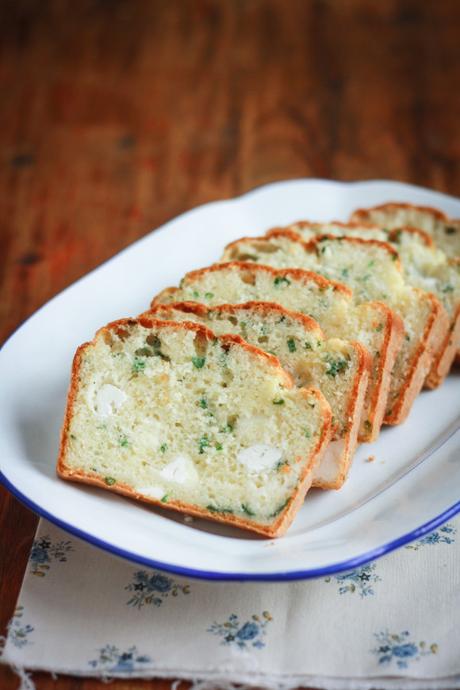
(412, 485)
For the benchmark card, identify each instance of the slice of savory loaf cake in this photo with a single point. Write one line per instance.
(339, 368)
(429, 269)
(171, 414)
(308, 230)
(372, 269)
(444, 230)
(374, 325)
(424, 267)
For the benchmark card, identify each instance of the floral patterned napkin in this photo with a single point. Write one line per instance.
(390, 624)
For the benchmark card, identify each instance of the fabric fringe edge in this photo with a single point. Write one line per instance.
(218, 681)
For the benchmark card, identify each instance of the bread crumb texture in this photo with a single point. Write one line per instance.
(177, 414)
(308, 294)
(298, 342)
(370, 268)
(444, 231)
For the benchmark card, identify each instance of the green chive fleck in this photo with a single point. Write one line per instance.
(198, 362)
(110, 481)
(202, 444)
(143, 352)
(335, 366)
(291, 345)
(280, 508)
(215, 509)
(138, 365)
(278, 401)
(281, 280)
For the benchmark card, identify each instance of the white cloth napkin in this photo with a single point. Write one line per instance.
(393, 623)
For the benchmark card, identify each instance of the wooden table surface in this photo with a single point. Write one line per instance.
(117, 115)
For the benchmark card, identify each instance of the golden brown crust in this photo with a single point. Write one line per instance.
(285, 518)
(203, 331)
(433, 335)
(177, 506)
(381, 379)
(392, 234)
(445, 356)
(364, 213)
(339, 223)
(350, 438)
(421, 234)
(324, 438)
(74, 378)
(296, 273)
(275, 529)
(263, 308)
(166, 292)
(194, 308)
(227, 339)
(312, 244)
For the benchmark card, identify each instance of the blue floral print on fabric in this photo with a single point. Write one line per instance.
(44, 551)
(153, 588)
(18, 632)
(443, 535)
(400, 649)
(240, 634)
(357, 581)
(113, 660)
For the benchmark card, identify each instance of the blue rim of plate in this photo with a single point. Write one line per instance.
(226, 577)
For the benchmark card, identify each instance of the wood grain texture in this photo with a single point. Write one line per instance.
(118, 115)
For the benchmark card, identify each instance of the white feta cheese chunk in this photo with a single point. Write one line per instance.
(181, 470)
(151, 491)
(109, 399)
(260, 457)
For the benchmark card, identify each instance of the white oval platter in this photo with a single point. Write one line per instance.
(412, 486)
